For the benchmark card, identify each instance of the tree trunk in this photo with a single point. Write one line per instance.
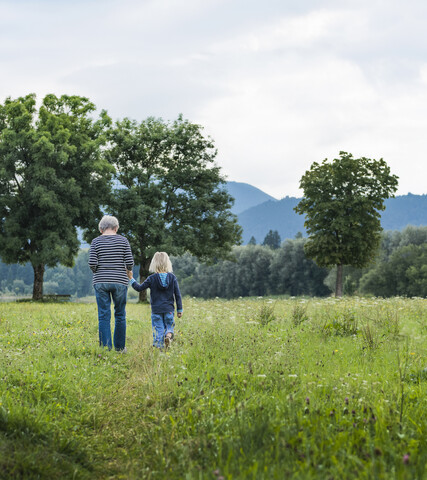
(143, 274)
(339, 283)
(38, 282)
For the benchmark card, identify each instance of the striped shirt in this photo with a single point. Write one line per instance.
(109, 257)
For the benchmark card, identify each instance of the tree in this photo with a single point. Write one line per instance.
(173, 197)
(342, 203)
(272, 240)
(252, 241)
(53, 177)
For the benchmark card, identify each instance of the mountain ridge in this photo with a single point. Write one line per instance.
(246, 196)
(273, 214)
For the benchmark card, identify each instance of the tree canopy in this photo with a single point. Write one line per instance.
(53, 177)
(170, 193)
(342, 203)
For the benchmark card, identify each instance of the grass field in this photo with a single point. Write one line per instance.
(251, 388)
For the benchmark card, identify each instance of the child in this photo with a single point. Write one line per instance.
(164, 290)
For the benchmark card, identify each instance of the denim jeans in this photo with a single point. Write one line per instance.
(162, 324)
(104, 293)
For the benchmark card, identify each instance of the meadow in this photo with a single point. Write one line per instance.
(254, 388)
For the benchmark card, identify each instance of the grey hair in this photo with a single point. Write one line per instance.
(107, 221)
(160, 263)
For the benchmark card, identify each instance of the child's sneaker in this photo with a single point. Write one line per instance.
(168, 340)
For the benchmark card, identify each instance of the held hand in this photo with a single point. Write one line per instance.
(129, 274)
(179, 314)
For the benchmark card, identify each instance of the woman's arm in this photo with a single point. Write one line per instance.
(93, 258)
(128, 256)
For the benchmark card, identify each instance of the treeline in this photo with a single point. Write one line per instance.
(254, 270)
(76, 281)
(257, 270)
(400, 269)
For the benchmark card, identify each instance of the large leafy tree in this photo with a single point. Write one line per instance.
(53, 177)
(342, 203)
(171, 195)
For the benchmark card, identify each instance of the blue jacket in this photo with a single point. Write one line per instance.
(162, 296)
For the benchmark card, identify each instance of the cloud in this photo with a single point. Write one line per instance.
(277, 84)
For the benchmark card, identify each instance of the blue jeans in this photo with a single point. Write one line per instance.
(104, 293)
(162, 324)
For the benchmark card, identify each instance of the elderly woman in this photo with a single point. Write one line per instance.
(110, 256)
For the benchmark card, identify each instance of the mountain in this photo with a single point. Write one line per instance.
(405, 210)
(259, 212)
(246, 196)
(279, 215)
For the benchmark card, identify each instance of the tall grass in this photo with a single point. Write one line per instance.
(312, 389)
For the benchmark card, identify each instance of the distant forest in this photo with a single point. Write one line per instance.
(258, 270)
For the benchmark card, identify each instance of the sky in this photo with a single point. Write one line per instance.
(277, 84)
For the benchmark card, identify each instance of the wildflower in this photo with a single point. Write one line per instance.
(405, 459)
(346, 400)
(307, 401)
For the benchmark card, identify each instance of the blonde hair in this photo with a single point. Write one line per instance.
(160, 263)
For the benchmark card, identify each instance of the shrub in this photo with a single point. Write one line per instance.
(299, 315)
(343, 324)
(266, 314)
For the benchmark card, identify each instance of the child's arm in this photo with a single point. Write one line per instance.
(178, 298)
(136, 286)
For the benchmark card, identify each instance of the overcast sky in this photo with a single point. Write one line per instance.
(278, 84)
